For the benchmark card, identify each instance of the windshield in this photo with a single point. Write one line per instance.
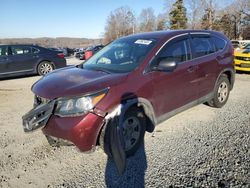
(120, 56)
(247, 47)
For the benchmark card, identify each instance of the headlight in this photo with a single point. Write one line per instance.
(76, 106)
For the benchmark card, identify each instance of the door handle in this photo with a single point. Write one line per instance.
(192, 68)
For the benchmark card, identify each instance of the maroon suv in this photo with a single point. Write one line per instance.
(131, 85)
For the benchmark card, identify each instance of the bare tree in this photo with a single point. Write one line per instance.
(196, 9)
(147, 20)
(120, 22)
(161, 22)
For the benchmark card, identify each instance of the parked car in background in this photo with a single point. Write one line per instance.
(90, 51)
(66, 51)
(235, 44)
(129, 87)
(242, 58)
(78, 51)
(238, 44)
(82, 54)
(16, 60)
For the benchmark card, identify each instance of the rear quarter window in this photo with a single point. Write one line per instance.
(219, 43)
(35, 50)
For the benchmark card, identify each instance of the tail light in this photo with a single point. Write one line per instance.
(60, 55)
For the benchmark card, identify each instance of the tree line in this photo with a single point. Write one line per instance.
(233, 20)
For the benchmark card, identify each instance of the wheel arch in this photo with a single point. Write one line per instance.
(140, 103)
(230, 75)
(147, 109)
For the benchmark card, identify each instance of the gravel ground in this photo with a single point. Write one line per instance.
(201, 147)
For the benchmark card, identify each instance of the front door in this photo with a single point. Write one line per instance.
(174, 89)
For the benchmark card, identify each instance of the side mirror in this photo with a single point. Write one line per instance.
(166, 65)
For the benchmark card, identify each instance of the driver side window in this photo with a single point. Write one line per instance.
(176, 50)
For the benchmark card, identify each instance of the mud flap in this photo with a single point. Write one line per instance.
(116, 142)
(117, 146)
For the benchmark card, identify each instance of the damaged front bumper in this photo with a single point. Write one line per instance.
(38, 117)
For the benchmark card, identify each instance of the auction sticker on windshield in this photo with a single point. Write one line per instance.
(145, 42)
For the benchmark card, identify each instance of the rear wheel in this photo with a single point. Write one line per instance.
(133, 131)
(221, 93)
(44, 68)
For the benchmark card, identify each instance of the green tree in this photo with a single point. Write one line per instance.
(178, 16)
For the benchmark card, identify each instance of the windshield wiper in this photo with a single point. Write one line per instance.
(100, 69)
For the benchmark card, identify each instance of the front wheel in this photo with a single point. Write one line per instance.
(133, 131)
(44, 68)
(221, 94)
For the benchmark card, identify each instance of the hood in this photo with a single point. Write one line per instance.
(73, 81)
(242, 51)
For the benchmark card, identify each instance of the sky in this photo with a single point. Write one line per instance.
(63, 18)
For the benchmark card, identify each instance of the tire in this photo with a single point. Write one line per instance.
(221, 94)
(45, 67)
(134, 127)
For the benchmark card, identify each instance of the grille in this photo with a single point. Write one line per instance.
(243, 58)
(39, 100)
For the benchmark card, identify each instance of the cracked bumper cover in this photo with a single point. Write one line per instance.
(82, 131)
(38, 117)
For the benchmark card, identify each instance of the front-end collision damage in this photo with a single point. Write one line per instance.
(114, 145)
(38, 117)
(113, 141)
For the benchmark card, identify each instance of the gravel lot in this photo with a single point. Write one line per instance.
(201, 147)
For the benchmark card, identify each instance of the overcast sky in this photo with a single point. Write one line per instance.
(63, 18)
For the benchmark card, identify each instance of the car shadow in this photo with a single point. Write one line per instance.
(134, 174)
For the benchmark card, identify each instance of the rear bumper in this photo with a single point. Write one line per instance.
(60, 63)
(81, 131)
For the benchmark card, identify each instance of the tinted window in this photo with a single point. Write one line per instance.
(16, 50)
(219, 43)
(177, 51)
(3, 50)
(202, 45)
(247, 46)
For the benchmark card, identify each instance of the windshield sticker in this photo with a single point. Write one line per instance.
(145, 42)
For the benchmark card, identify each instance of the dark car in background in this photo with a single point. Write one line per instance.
(16, 60)
(66, 51)
(90, 51)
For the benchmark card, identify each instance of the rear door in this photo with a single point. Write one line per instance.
(22, 59)
(174, 89)
(203, 50)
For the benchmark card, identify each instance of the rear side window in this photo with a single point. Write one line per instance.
(18, 50)
(202, 45)
(35, 50)
(176, 50)
(219, 43)
(3, 50)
